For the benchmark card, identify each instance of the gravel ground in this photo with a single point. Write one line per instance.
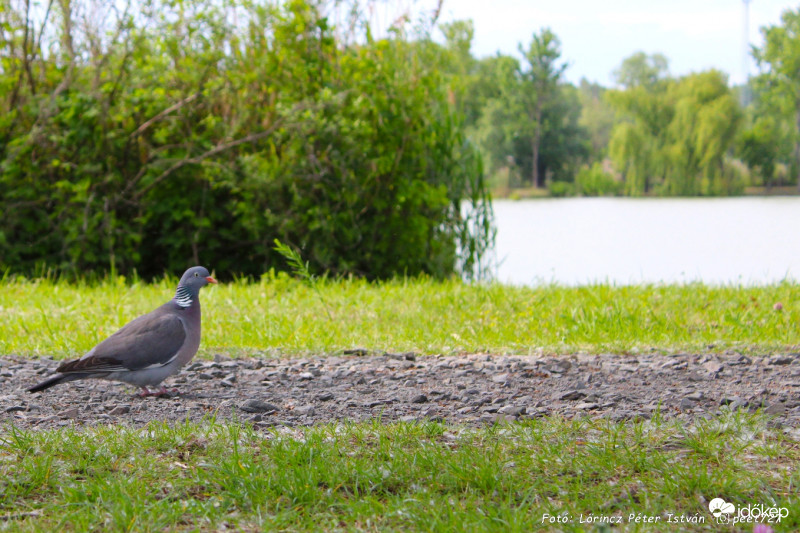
(471, 389)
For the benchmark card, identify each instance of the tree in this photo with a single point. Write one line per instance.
(540, 81)
(641, 70)
(762, 144)
(460, 68)
(639, 136)
(597, 116)
(673, 135)
(766, 140)
(497, 86)
(701, 132)
(564, 143)
(779, 59)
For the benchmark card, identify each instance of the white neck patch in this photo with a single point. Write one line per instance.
(183, 297)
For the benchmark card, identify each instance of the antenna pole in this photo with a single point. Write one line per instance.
(746, 55)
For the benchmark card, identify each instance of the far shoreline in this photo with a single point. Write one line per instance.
(536, 193)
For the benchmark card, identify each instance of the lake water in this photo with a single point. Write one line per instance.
(625, 241)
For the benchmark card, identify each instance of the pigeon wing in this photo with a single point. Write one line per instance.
(151, 340)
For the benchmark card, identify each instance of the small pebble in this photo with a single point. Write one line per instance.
(257, 406)
(69, 413)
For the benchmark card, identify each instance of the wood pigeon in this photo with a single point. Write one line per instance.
(148, 349)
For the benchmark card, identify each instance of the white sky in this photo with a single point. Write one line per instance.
(596, 35)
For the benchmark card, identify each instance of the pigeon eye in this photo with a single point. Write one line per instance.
(196, 274)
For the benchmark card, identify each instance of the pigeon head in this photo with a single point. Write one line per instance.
(196, 277)
(191, 282)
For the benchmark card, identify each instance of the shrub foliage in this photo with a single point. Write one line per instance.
(156, 134)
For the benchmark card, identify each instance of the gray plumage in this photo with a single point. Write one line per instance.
(148, 349)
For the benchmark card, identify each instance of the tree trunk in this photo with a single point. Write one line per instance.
(797, 146)
(535, 146)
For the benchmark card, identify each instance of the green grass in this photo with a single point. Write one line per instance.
(403, 477)
(281, 315)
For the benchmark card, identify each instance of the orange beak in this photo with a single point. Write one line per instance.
(210, 279)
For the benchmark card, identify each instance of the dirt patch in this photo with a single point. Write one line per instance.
(472, 389)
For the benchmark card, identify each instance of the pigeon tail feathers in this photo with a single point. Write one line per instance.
(55, 380)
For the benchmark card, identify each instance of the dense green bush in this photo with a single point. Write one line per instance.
(561, 189)
(200, 132)
(594, 181)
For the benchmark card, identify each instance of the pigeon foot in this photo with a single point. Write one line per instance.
(161, 392)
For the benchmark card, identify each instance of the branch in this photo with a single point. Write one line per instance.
(197, 159)
(41, 29)
(214, 151)
(69, 45)
(25, 42)
(164, 113)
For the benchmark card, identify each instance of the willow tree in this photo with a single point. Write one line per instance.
(701, 132)
(637, 144)
(673, 134)
(634, 152)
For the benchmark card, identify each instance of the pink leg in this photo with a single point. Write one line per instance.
(162, 391)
